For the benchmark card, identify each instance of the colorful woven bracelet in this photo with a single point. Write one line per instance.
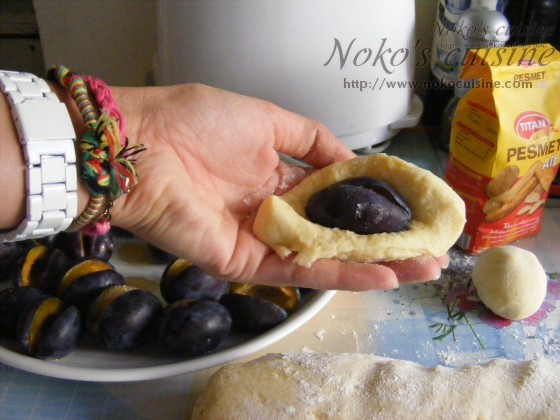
(107, 164)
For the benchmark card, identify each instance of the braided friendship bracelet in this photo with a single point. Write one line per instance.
(107, 164)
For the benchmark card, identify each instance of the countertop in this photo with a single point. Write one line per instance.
(432, 323)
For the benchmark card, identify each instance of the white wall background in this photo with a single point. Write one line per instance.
(116, 39)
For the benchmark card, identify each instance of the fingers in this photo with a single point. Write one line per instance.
(306, 139)
(326, 275)
(443, 261)
(418, 269)
(330, 274)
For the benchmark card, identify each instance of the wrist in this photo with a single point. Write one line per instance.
(46, 139)
(129, 101)
(79, 129)
(12, 171)
(108, 159)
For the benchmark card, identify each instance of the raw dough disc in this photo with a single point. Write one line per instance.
(510, 281)
(438, 216)
(363, 386)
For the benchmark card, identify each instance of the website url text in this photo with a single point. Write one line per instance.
(381, 83)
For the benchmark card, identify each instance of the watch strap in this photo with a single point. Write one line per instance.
(47, 137)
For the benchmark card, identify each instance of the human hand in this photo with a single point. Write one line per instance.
(212, 157)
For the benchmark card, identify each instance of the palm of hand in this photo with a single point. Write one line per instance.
(217, 178)
(212, 157)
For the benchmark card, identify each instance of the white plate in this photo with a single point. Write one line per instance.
(88, 363)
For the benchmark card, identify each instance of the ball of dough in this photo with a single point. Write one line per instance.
(510, 281)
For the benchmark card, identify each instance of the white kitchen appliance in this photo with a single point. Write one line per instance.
(348, 64)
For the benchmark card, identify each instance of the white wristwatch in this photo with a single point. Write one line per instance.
(47, 137)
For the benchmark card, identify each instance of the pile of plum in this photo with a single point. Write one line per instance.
(65, 287)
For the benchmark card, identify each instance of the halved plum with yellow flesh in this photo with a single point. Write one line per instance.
(193, 327)
(287, 297)
(42, 267)
(85, 280)
(184, 280)
(122, 317)
(49, 330)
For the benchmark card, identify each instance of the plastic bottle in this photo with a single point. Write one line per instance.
(482, 26)
(444, 59)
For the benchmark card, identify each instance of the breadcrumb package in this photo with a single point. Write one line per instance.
(505, 142)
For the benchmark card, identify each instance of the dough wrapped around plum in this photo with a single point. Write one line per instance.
(437, 216)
